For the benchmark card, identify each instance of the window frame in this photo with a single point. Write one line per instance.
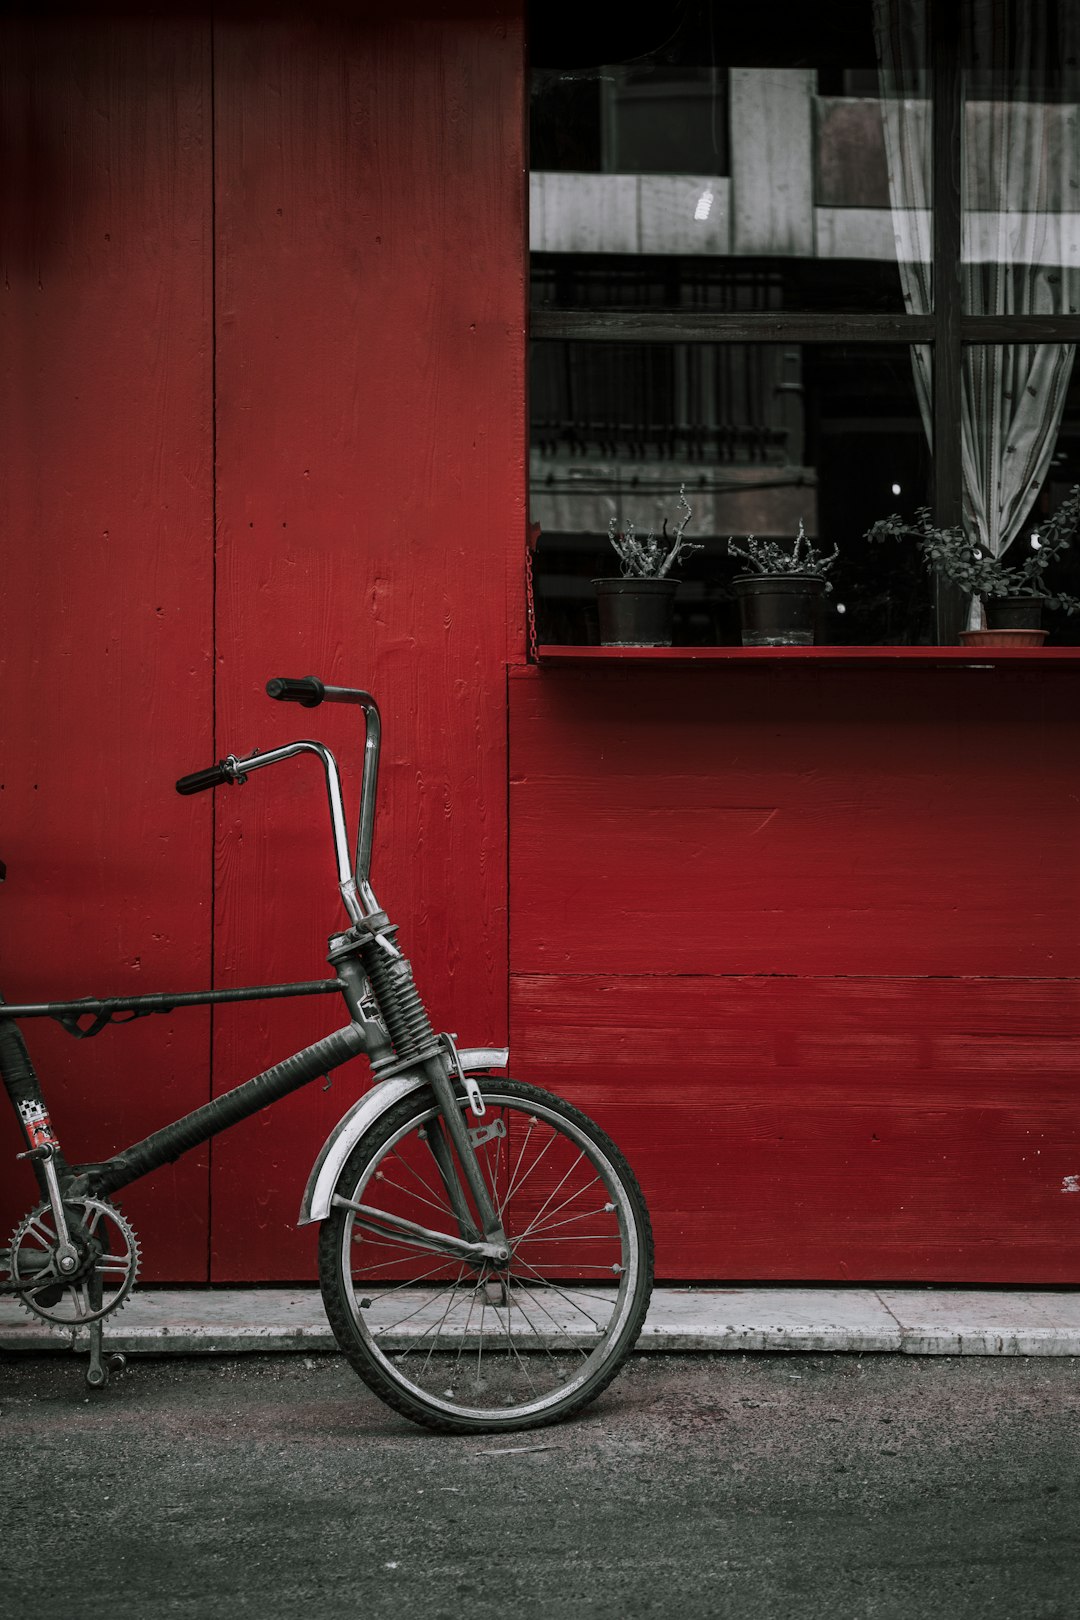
(945, 331)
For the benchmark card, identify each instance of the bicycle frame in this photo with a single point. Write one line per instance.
(387, 1024)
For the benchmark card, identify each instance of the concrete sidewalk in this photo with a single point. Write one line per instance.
(910, 1321)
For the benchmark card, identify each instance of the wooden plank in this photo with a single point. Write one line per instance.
(795, 821)
(627, 213)
(105, 506)
(684, 213)
(584, 213)
(850, 1130)
(704, 326)
(371, 523)
(772, 161)
(855, 233)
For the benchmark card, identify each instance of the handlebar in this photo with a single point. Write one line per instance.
(305, 690)
(199, 781)
(309, 692)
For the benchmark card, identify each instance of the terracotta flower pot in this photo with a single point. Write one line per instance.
(1003, 638)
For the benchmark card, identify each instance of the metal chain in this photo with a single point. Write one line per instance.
(530, 603)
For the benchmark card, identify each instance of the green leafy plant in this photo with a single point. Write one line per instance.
(769, 557)
(961, 559)
(653, 557)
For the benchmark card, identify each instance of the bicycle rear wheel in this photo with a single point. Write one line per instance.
(461, 1345)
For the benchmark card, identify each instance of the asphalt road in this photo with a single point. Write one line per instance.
(721, 1486)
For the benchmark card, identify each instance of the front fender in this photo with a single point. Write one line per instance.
(315, 1204)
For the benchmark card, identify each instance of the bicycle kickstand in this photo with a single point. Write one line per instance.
(97, 1373)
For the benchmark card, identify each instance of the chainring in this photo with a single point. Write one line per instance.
(105, 1277)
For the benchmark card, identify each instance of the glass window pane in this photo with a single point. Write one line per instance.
(1013, 399)
(1062, 475)
(762, 437)
(681, 162)
(1021, 172)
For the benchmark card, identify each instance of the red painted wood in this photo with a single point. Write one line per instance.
(806, 822)
(843, 1129)
(105, 507)
(806, 942)
(370, 273)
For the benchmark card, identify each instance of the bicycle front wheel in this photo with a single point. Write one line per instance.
(464, 1345)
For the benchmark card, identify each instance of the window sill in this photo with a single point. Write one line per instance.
(980, 657)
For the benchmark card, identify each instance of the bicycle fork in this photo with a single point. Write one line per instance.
(415, 1044)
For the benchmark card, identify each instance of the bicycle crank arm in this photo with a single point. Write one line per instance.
(422, 1237)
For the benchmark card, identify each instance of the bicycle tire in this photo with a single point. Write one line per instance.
(412, 1322)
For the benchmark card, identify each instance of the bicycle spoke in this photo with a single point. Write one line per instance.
(512, 1183)
(534, 1330)
(576, 1237)
(442, 1323)
(510, 1340)
(399, 1260)
(468, 1324)
(535, 1234)
(392, 1186)
(440, 1203)
(544, 1151)
(463, 1343)
(576, 1349)
(581, 1293)
(563, 1295)
(392, 1327)
(561, 1184)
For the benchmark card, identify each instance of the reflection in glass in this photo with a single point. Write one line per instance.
(762, 436)
(730, 143)
(1020, 229)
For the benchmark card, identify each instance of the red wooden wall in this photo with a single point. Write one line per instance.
(106, 517)
(263, 399)
(807, 941)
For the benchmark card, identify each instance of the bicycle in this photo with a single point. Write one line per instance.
(512, 1305)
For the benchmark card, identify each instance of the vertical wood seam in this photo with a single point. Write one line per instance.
(211, 24)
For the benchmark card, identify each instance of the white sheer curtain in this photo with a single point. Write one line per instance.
(1021, 228)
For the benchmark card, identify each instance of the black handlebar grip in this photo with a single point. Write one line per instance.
(305, 690)
(199, 781)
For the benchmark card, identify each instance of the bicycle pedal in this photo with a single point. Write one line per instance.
(48, 1296)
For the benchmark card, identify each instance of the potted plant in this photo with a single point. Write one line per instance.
(1007, 598)
(637, 609)
(779, 601)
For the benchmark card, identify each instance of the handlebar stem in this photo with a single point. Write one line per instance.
(368, 784)
(358, 899)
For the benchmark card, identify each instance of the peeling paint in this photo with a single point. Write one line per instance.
(1070, 1184)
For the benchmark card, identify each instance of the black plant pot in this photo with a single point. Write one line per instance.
(779, 610)
(1013, 612)
(635, 612)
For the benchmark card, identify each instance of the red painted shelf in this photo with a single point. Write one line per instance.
(863, 656)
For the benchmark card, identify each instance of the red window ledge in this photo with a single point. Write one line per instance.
(982, 657)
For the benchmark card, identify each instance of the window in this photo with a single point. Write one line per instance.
(816, 264)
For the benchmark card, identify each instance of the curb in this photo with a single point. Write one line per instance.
(857, 1321)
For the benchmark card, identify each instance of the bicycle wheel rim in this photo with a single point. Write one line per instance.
(571, 1303)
